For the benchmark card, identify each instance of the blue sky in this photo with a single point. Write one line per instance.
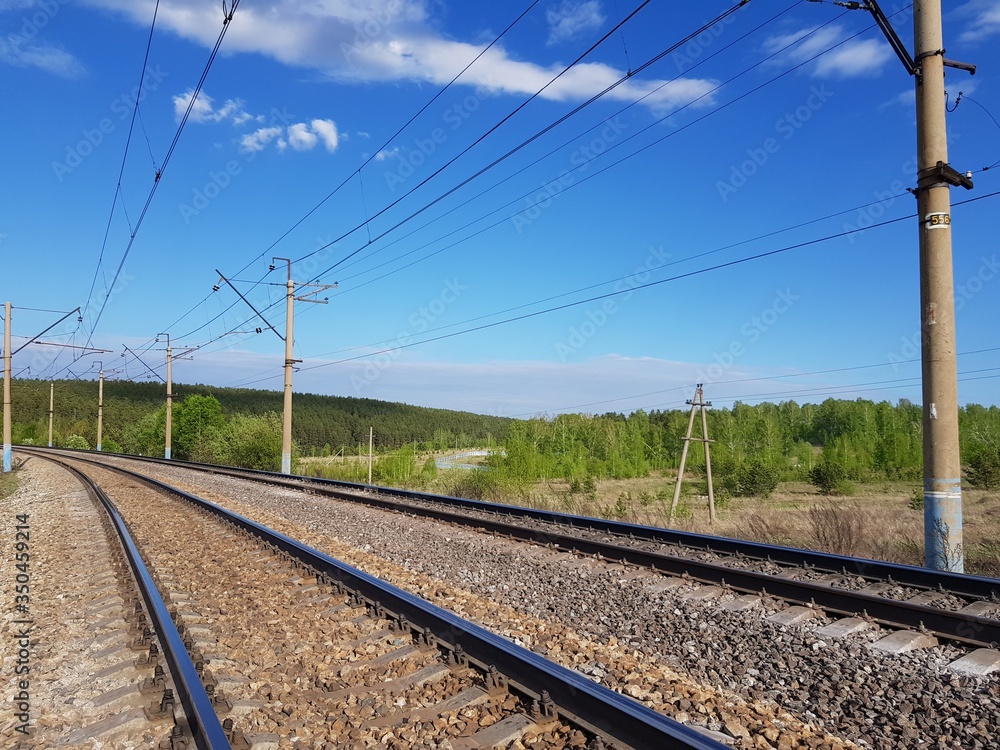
(502, 200)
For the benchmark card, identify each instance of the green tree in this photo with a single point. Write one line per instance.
(248, 441)
(196, 419)
(984, 467)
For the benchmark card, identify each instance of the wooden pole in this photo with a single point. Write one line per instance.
(708, 458)
(684, 455)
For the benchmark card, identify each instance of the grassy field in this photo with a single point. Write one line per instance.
(882, 521)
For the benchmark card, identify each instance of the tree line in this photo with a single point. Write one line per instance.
(135, 419)
(832, 444)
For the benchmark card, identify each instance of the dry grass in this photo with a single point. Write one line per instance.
(878, 522)
(8, 484)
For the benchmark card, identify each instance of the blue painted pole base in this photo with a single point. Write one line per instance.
(943, 548)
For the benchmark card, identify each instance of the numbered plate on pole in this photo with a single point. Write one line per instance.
(939, 220)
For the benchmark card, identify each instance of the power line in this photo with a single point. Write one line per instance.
(638, 287)
(227, 18)
(347, 179)
(744, 95)
(128, 142)
(708, 25)
(480, 139)
(507, 117)
(629, 138)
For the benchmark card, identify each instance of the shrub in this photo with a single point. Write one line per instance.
(751, 477)
(76, 442)
(829, 476)
(984, 468)
(917, 499)
(837, 529)
(489, 485)
(430, 469)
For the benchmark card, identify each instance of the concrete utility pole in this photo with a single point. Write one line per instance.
(288, 338)
(170, 401)
(7, 457)
(100, 404)
(52, 401)
(286, 417)
(371, 445)
(290, 362)
(943, 547)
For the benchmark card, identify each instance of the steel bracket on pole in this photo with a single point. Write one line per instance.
(942, 174)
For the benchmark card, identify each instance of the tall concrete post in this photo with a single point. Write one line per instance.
(100, 408)
(52, 402)
(286, 422)
(942, 464)
(168, 433)
(7, 455)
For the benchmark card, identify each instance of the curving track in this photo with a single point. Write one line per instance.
(756, 646)
(304, 648)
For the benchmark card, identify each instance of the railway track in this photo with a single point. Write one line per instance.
(929, 603)
(302, 648)
(782, 661)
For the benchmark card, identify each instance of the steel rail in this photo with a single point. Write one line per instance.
(949, 624)
(970, 586)
(580, 700)
(202, 720)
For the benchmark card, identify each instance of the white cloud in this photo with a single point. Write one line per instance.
(392, 40)
(299, 136)
(327, 131)
(21, 52)
(387, 153)
(864, 57)
(257, 140)
(858, 57)
(984, 20)
(573, 18)
(204, 111)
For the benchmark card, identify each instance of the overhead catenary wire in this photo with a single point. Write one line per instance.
(371, 157)
(482, 137)
(228, 17)
(121, 170)
(774, 54)
(806, 61)
(639, 287)
(644, 148)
